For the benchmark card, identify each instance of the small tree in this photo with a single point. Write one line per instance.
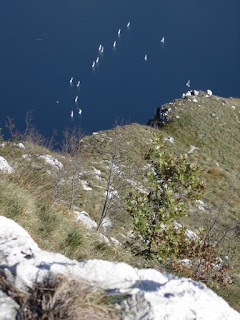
(173, 181)
(71, 144)
(115, 174)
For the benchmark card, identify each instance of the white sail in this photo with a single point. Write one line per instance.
(76, 99)
(93, 64)
(97, 60)
(188, 84)
(114, 44)
(145, 57)
(71, 80)
(128, 25)
(71, 115)
(119, 32)
(163, 40)
(78, 83)
(79, 111)
(100, 48)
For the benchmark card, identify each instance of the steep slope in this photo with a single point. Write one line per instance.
(107, 165)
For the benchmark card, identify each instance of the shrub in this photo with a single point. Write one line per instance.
(173, 182)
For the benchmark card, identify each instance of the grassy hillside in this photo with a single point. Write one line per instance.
(44, 198)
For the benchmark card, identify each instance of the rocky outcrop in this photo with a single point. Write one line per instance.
(146, 293)
(4, 166)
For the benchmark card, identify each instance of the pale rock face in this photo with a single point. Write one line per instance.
(191, 235)
(4, 166)
(163, 295)
(104, 238)
(52, 161)
(84, 217)
(107, 223)
(85, 185)
(201, 205)
(20, 145)
(115, 241)
(8, 307)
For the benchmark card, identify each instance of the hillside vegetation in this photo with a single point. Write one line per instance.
(96, 175)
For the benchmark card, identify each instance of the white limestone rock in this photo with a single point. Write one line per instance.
(201, 205)
(4, 166)
(164, 296)
(20, 145)
(85, 185)
(103, 238)
(107, 223)
(191, 235)
(115, 241)
(84, 217)
(8, 307)
(52, 161)
(170, 297)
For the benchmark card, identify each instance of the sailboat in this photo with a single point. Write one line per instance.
(76, 99)
(145, 57)
(188, 84)
(114, 44)
(100, 48)
(71, 115)
(79, 111)
(78, 84)
(162, 40)
(97, 60)
(119, 32)
(128, 25)
(71, 80)
(93, 64)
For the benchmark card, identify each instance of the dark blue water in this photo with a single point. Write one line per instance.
(202, 44)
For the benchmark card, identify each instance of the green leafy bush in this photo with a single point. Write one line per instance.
(173, 182)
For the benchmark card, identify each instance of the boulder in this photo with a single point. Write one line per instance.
(4, 166)
(149, 294)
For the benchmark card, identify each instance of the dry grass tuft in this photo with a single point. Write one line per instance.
(61, 298)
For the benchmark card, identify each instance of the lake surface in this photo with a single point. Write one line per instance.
(45, 43)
